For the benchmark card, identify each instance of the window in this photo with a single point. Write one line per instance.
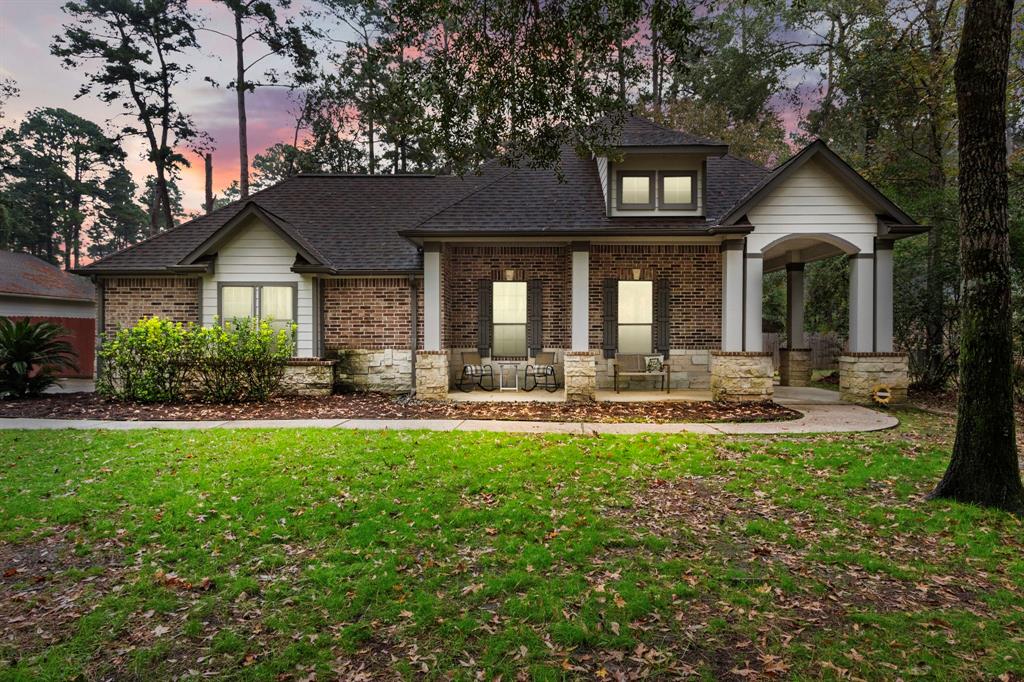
(509, 319)
(268, 302)
(636, 316)
(677, 190)
(636, 190)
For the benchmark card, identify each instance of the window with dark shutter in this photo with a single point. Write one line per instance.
(484, 328)
(535, 316)
(662, 303)
(610, 319)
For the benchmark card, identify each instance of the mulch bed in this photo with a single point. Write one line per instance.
(379, 406)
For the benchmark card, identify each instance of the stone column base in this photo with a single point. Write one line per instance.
(861, 373)
(740, 377)
(580, 376)
(795, 366)
(432, 374)
(308, 377)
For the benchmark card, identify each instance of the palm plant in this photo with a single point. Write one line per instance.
(30, 354)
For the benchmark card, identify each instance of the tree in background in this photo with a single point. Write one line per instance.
(151, 196)
(127, 50)
(984, 468)
(121, 221)
(258, 22)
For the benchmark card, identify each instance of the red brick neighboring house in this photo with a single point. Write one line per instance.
(658, 249)
(31, 287)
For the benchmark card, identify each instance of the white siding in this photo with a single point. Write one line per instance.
(602, 172)
(21, 306)
(810, 201)
(257, 254)
(659, 162)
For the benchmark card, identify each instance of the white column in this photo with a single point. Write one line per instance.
(431, 297)
(580, 297)
(732, 295)
(795, 305)
(753, 341)
(862, 299)
(883, 297)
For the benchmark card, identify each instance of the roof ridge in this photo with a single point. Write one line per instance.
(462, 198)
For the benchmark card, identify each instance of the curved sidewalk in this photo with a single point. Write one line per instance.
(818, 418)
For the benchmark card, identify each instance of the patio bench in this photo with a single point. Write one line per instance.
(635, 365)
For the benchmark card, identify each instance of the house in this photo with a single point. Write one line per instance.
(660, 248)
(30, 287)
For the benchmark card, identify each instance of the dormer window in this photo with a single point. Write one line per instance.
(676, 190)
(636, 190)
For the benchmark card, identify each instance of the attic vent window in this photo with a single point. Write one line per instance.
(676, 190)
(635, 190)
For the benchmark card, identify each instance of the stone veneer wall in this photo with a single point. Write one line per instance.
(432, 374)
(387, 371)
(795, 366)
(467, 264)
(741, 376)
(580, 376)
(861, 373)
(308, 377)
(126, 300)
(694, 272)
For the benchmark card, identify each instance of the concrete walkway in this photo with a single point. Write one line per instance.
(818, 418)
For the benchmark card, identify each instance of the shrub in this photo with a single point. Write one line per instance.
(243, 360)
(159, 360)
(30, 354)
(149, 362)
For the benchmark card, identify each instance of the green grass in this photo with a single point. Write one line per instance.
(282, 553)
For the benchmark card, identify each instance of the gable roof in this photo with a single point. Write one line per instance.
(641, 132)
(532, 201)
(818, 150)
(22, 274)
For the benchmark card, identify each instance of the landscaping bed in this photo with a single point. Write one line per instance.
(379, 406)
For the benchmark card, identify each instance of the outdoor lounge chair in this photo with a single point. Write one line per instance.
(635, 365)
(542, 371)
(474, 371)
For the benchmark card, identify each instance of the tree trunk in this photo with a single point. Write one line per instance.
(243, 143)
(163, 197)
(984, 468)
(154, 209)
(208, 164)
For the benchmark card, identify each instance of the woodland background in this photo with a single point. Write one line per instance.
(423, 86)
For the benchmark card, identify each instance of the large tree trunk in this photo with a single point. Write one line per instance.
(208, 167)
(984, 468)
(163, 197)
(243, 142)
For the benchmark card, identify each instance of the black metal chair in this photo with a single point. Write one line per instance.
(474, 371)
(543, 367)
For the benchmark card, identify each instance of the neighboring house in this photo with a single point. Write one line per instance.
(33, 288)
(661, 250)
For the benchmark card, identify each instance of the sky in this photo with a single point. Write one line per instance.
(27, 28)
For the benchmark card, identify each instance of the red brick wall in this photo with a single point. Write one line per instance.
(369, 313)
(126, 300)
(466, 264)
(695, 273)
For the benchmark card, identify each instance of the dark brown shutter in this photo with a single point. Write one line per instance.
(485, 328)
(535, 316)
(662, 303)
(610, 320)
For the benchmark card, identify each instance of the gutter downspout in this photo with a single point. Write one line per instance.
(414, 332)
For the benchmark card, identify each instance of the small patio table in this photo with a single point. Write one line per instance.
(501, 376)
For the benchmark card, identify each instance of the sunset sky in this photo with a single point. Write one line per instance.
(27, 28)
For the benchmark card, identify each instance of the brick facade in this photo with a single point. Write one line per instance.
(126, 300)
(369, 313)
(695, 275)
(466, 264)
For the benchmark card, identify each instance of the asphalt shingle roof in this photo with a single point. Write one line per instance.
(22, 274)
(360, 223)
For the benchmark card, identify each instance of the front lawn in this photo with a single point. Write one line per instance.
(330, 554)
